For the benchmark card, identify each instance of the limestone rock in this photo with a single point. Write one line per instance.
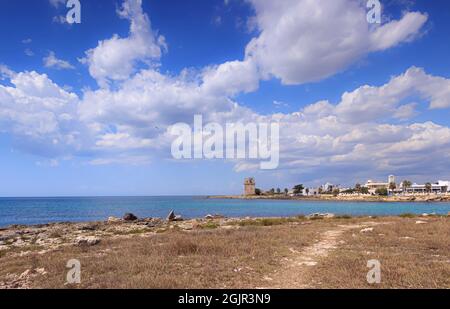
(366, 230)
(323, 216)
(87, 241)
(211, 217)
(114, 220)
(88, 227)
(129, 217)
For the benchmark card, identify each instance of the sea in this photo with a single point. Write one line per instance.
(42, 210)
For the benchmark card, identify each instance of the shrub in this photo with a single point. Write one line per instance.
(209, 225)
(382, 192)
(407, 215)
(344, 217)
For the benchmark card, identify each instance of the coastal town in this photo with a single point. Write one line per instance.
(388, 189)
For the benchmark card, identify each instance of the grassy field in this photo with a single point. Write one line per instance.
(263, 253)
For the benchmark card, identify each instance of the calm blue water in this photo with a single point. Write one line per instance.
(46, 210)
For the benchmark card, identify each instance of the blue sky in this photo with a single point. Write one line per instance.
(84, 108)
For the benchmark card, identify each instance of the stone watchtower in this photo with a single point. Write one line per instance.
(249, 186)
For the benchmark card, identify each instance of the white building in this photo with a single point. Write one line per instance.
(391, 179)
(310, 191)
(328, 187)
(437, 188)
(373, 186)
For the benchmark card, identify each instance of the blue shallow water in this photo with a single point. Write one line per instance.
(78, 209)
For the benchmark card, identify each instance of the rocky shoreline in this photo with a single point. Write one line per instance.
(23, 239)
(29, 253)
(42, 238)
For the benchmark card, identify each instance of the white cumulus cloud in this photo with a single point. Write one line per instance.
(51, 61)
(115, 59)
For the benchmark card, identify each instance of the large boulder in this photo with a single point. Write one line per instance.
(129, 217)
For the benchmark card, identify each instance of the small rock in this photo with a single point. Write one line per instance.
(88, 227)
(319, 215)
(114, 220)
(129, 217)
(25, 274)
(420, 222)
(186, 226)
(211, 217)
(87, 241)
(8, 236)
(366, 230)
(40, 271)
(19, 242)
(308, 263)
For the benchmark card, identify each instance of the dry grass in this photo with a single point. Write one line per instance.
(268, 221)
(412, 255)
(201, 259)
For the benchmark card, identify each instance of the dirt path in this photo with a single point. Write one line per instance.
(292, 274)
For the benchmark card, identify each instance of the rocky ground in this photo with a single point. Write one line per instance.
(224, 252)
(22, 239)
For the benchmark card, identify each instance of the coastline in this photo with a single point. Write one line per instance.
(341, 198)
(112, 252)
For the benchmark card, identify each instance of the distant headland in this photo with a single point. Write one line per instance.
(372, 191)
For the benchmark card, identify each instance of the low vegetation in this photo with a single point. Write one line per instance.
(254, 253)
(411, 255)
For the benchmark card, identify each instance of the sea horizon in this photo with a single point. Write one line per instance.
(45, 210)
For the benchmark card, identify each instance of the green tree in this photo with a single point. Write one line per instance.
(406, 184)
(364, 190)
(298, 189)
(428, 187)
(278, 190)
(382, 192)
(358, 187)
(392, 186)
(286, 191)
(336, 192)
(258, 191)
(307, 191)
